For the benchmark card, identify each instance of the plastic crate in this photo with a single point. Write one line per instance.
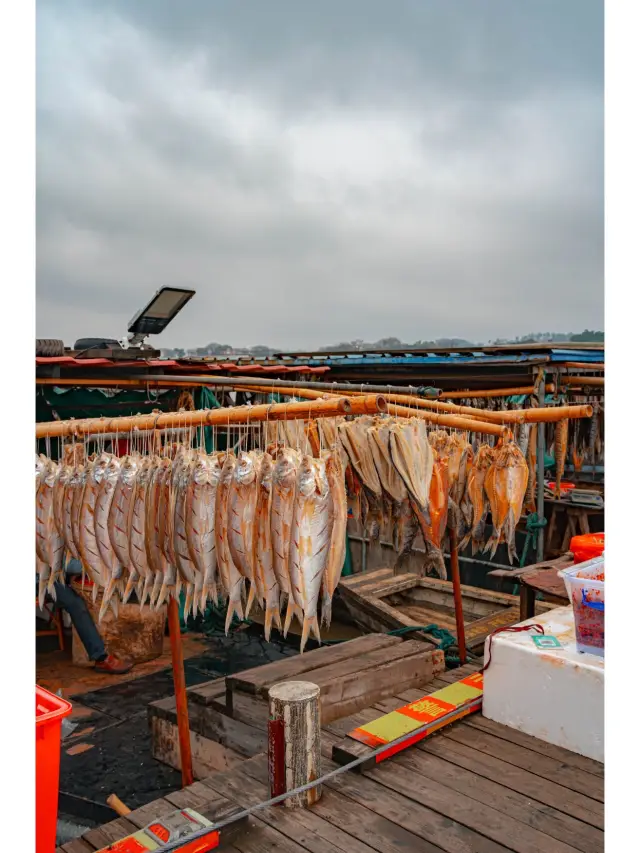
(50, 710)
(585, 589)
(587, 546)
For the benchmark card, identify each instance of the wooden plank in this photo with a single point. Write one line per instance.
(361, 690)
(589, 765)
(527, 759)
(260, 838)
(362, 827)
(453, 675)
(536, 815)
(418, 819)
(103, 836)
(501, 599)
(477, 632)
(151, 811)
(190, 797)
(302, 826)
(354, 581)
(388, 586)
(207, 755)
(542, 790)
(76, 845)
(465, 811)
(325, 675)
(208, 692)
(253, 680)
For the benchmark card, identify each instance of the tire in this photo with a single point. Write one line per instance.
(49, 347)
(95, 343)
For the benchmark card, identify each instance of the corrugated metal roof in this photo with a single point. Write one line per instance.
(182, 365)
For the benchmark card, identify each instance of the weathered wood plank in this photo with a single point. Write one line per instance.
(106, 834)
(305, 827)
(589, 765)
(542, 790)
(76, 845)
(190, 797)
(254, 680)
(388, 585)
(477, 632)
(519, 807)
(207, 755)
(465, 811)
(549, 768)
(418, 819)
(151, 811)
(354, 581)
(208, 692)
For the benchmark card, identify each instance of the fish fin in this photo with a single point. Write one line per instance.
(291, 608)
(94, 592)
(309, 624)
(434, 561)
(188, 598)
(155, 589)
(326, 609)
(139, 589)
(235, 607)
(106, 598)
(131, 584)
(146, 591)
(178, 586)
(42, 588)
(166, 592)
(463, 544)
(251, 597)
(271, 615)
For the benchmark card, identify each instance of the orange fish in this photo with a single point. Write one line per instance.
(476, 497)
(506, 485)
(433, 521)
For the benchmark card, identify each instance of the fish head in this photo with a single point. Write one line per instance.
(227, 468)
(246, 468)
(99, 467)
(286, 467)
(129, 468)
(200, 471)
(266, 471)
(312, 477)
(50, 473)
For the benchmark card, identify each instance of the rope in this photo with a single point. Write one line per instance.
(514, 630)
(534, 523)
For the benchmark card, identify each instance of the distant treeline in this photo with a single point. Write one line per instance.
(260, 351)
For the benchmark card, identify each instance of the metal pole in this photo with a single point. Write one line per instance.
(540, 466)
(457, 597)
(179, 683)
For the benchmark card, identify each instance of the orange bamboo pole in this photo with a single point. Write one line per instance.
(595, 381)
(584, 365)
(495, 392)
(179, 683)
(547, 414)
(368, 404)
(453, 421)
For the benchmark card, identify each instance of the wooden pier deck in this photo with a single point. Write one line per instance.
(474, 787)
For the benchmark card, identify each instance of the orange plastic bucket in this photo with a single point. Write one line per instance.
(50, 710)
(587, 547)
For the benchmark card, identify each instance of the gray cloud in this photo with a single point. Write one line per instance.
(320, 171)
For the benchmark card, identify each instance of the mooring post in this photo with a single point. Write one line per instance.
(294, 740)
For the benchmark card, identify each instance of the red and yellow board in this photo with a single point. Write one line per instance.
(425, 716)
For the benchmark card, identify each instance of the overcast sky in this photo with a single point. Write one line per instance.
(320, 171)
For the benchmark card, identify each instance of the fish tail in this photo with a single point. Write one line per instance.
(326, 609)
(139, 589)
(155, 590)
(434, 561)
(178, 587)
(146, 591)
(309, 623)
(188, 598)
(271, 616)
(106, 598)
(166, 591)
(94, 592)
(42, 588)
(235, 607)
(250, 597)
(291, 609)
(131, 584)
(463, 544)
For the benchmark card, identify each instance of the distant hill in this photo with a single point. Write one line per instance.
(261, 351)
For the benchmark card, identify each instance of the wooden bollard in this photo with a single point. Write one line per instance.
(294, 740)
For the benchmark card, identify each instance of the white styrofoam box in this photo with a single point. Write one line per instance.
(556, 695)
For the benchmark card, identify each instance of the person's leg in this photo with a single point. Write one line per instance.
(75, 606)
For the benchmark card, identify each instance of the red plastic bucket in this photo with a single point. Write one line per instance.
(50, 710)
(587, 547)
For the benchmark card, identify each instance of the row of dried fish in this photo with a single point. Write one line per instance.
(256, 527)
(404, 478)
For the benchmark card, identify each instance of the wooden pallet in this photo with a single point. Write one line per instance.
(228, 717)
(382, 601)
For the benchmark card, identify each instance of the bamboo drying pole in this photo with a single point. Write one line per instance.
(594, 381)
(495, 392)
(548, 414)
(584, 365)
(457, 596)
(275, 384)
(369, 404)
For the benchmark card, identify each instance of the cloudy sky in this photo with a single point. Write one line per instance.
(320, 171)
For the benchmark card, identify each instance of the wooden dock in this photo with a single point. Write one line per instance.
(474, 787)
(382, 601)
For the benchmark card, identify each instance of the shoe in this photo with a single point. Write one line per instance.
(113, 665)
